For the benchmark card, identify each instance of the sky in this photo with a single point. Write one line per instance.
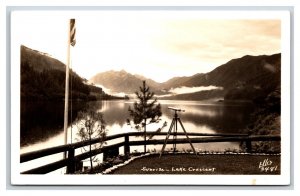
(157, 44)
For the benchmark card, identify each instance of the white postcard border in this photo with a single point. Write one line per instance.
(283, 179)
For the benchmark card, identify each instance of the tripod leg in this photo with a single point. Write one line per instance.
(175, 135)
(187, 136)
(167, 137)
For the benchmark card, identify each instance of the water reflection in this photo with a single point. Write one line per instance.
(219, 117)
(42, 123)
(40, 120)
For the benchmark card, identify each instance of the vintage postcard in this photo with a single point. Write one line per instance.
(150, 97)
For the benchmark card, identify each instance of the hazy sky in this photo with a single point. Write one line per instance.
(156, 44)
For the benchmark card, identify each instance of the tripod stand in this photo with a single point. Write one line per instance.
(174, 127)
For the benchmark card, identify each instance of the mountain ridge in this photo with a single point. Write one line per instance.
(43, 78)
(46, 62)
(249, 74)
(122, 81)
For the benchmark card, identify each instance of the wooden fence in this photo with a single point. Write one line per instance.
(71, 160)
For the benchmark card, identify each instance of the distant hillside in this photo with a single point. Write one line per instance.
(43, 78)
(201, 95)
(40, 61)
(241, 71)
(178, 81)
(246, 78)
(121, 81)
(149, 81)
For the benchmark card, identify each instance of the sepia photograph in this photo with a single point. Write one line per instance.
(123, 95)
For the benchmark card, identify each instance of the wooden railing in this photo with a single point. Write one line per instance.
(71, 160)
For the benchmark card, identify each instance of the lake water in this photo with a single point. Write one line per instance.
(42, 123)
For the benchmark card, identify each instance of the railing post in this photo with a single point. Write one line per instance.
(126, 146)
(71, 161)
(248, 146)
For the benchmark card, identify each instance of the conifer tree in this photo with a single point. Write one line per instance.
(145, 111)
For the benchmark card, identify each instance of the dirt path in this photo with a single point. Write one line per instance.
(207, 164)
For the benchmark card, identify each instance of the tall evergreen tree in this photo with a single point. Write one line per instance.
(145, 111)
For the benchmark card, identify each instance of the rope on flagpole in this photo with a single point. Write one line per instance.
(71, 103)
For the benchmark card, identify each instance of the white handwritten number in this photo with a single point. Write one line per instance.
(266, 166)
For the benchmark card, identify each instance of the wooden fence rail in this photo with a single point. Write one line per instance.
(71, 160)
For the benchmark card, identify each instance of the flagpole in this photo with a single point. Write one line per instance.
(67, 89)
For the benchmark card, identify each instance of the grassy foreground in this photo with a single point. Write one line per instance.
(207, 164)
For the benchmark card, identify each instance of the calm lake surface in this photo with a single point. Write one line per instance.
(42, 122)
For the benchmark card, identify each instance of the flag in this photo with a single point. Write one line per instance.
(72, 32)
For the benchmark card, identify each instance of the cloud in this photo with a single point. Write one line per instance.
(206, 44)
(113, 93)
(184, 89)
